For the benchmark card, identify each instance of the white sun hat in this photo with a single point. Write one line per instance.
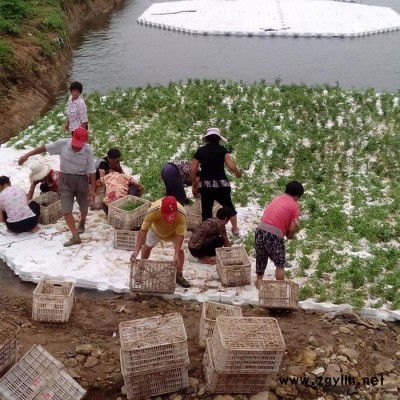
(213, 131)
(38, 171)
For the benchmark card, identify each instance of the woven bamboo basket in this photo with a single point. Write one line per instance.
(209, 315)
(247, 345)
(153, 344)
(283, 295)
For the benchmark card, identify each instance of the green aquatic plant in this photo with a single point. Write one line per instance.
(341, 144)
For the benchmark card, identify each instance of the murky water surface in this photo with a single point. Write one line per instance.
(118, 52)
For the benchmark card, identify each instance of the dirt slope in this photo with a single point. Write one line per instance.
(37, 88)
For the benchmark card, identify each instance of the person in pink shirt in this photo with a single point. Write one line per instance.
(280, 219)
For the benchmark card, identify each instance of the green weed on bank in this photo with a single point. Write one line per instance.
(342, 144)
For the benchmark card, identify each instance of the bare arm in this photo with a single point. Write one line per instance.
(226, 240)
(178, 246)
(37, 150)
(31, 191)
(194, 178)
(232, 166)
(139, 244)
(293, 228)
(92, 179)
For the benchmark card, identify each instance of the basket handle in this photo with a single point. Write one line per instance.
(57, 285)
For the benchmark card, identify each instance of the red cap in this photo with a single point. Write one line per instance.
(169, 207)
(79, 137)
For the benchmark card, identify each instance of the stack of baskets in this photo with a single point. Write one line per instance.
(278, 295)
(243, 354)
(126, 223)
(233, 266)
(154, 355)
(50, 208)
(38, 375)
(53, 301)
(8, 344)
(127, 220)
(209, 315)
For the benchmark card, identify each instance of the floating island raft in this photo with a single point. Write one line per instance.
(296, 18)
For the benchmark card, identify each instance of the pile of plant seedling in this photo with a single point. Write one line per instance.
(131, 205)
(342, 145)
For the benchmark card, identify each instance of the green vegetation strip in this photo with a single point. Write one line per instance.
(342, 144)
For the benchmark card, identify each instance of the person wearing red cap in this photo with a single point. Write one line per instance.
(76, 163)
(165, 220)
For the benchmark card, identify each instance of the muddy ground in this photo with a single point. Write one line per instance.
(316, 345)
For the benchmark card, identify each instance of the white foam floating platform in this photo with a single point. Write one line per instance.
(296, 18)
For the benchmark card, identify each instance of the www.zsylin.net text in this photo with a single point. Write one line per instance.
(343, 380)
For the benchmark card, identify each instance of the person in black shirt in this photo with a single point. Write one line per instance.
(214, 184)
(109, 163)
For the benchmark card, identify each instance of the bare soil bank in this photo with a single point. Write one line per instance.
(316, 345)
(36, 91)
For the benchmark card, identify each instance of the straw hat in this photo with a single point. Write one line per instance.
(38, 171)
(213, 131)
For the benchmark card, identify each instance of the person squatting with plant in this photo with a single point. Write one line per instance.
(76, 163)
(43, 174)
(165, 220)
(175, 175)
(210, 235)
(280, 219)
(76, 109)
(118, 185)
(213, 184)
(18, 215)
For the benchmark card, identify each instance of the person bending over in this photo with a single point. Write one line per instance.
(165, 220)
(280, 219)
(43, 174)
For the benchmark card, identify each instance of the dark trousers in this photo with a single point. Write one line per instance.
(221, 195)
(173, 183)
(26, 225)
(208, 248)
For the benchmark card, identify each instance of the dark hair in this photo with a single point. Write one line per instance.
(212, 139)
(4, 179)
(76, 85)
(294, 188)
(114, 153)
(226, 212)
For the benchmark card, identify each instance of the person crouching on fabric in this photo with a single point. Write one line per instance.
(43, 174)
(118, 185)
(210, 235)
(18, 215)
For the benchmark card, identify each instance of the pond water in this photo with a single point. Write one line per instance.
(115, 51)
